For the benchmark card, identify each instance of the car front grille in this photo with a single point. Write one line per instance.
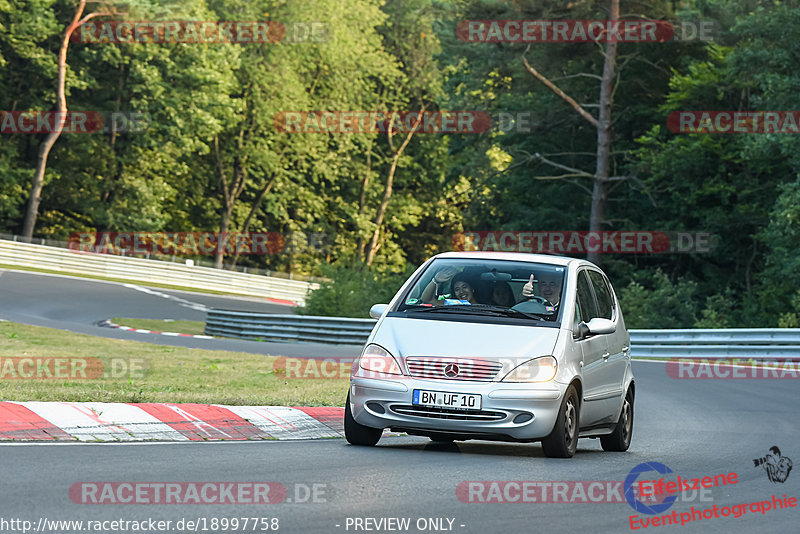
(453, 368)
(447, 413)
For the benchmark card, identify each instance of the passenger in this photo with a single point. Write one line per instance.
(463, 287)
(459, 284)
(502, 294)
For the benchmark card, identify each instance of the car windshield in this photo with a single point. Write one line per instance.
(492, 288)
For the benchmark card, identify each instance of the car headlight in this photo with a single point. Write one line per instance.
(376, 359)
(539, 369)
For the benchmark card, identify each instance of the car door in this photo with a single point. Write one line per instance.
(613, 373)
(594, 349)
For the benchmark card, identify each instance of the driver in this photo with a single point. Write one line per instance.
(549, 286)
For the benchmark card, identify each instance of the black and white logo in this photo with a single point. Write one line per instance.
(777, 467)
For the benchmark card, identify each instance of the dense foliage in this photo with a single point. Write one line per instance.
(211, 157)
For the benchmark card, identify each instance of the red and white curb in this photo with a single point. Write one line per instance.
(109, 324)
(116, 421)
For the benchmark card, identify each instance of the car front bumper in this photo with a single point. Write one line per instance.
(525, 412)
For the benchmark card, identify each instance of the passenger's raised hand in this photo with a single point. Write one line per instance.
(445, 274)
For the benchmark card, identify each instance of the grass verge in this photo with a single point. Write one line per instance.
(174, 374)
(160, 325)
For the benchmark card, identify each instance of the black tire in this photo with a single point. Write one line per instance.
(441, 439)
(620, 439)
(358, 434)
(563, 440)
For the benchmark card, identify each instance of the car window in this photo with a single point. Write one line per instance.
(587, 307)
(486, 290)
(605, 304)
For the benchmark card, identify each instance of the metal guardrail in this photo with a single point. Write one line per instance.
(687, 343)
(297, 328)
(205, 261)
(758, 343)
(151, 271)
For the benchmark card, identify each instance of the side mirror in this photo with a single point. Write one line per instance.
(581, 331)
(601, 326)
(377, 310)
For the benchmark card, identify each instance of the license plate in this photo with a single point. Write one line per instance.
(444, 399)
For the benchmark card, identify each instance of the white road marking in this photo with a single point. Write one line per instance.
(183, 302)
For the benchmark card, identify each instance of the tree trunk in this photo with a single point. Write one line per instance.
(602, 169)
(253, 207)
(37, 183)
(222, 237)
(362, 204)
(387, 190)
(387, 195)
(230, 192)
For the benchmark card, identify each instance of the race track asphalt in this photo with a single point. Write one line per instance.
(696, 427)
(78, 304)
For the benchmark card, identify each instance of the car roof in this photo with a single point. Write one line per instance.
(563, 261)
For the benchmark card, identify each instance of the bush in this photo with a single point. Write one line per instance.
(719, 312)
(663, 305)
(791, 319)
(350, 292)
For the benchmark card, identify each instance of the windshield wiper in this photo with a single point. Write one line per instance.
(481, 309)
(460, 308)
(511, 312)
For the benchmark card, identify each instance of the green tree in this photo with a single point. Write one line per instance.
(660, 304)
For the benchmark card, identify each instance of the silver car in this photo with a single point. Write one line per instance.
(497, 346)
